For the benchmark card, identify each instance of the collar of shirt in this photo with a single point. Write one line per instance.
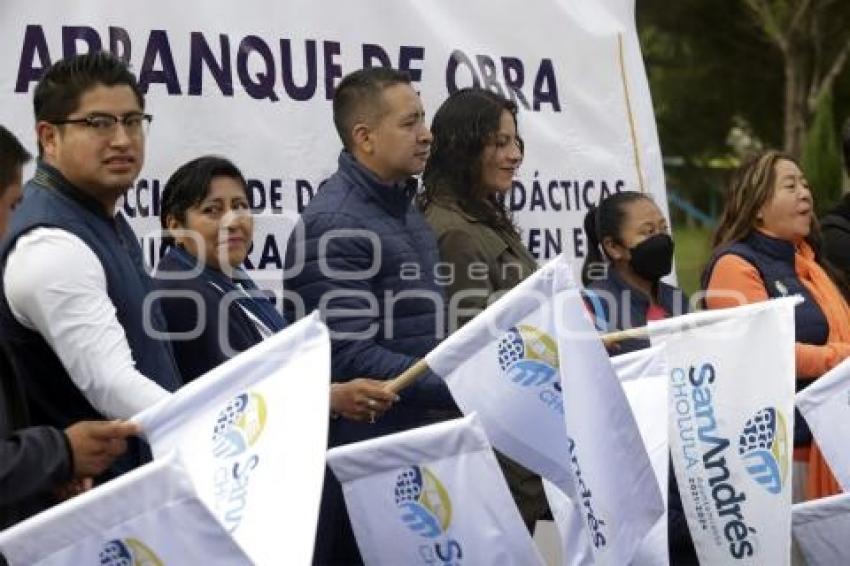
(395, 198)
(50, 177)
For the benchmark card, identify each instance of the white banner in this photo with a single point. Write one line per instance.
(825, 404)
(431, 495)
(731, 428)
(644, 378)
(253, 434)
(150, 516)
(253, 82)
(821, 528)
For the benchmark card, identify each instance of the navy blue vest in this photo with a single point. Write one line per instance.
(774, 260)
(53, 399)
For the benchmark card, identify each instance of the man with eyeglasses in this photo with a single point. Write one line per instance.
(72, 306)
(39, 463)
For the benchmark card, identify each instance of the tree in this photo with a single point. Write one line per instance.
(821, 159)
(813, 38)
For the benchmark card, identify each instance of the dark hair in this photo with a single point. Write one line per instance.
(605, 221)
(190, 184)
(58, 92)
(751, 185)
(358, 98)
(463, 125)
(60, 88)
(12, 156)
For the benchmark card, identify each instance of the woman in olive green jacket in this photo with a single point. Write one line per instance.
(474, 157)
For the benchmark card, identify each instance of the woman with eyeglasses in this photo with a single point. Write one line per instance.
(207, 217)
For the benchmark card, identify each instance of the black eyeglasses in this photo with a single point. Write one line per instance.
(136, 124)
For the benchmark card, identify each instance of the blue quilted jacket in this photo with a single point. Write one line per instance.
(364, 254)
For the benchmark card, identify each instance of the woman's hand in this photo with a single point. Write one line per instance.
(361, 399)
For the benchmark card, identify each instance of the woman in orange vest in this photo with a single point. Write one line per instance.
(765, 247)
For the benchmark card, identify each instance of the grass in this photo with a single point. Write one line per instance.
(693, 248)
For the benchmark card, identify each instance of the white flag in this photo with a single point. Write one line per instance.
(821, 529)
(731, 430)
(149, 516)
(431, 495)
(610, 463)
(644, 378)
(253, 434)
(826, 406)
(643, 375)
(503, 365)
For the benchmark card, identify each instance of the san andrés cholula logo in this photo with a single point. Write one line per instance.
(427, 511)
(718, 495)
(529, 358)
(764, 446)
(237, 430)
(128, 552)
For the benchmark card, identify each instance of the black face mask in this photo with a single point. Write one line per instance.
(652, 259)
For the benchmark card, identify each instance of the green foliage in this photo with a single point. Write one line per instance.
(822, 157)
(692, 253)
(709, 65)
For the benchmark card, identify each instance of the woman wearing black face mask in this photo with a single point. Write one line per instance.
(629, 251)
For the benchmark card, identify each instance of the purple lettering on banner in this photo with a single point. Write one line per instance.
(200, 56)
(406, 56)
(487, 68)
(35, 45)
(256, 195)
(333, 70)
(534, 242)
(545, 87)
(72, 34)
(275, 195)
(308, 89)
(457, 59)
(375, 56)
(159, 49)
(302, 188)
(261, 84)
(514, 75)
(119, 43)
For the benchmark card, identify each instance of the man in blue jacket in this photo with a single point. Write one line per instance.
(39, 464)
(364, 255)
(73, 283)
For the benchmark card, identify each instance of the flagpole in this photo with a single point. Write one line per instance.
(620, 335)
(407, 377)
(410, 375)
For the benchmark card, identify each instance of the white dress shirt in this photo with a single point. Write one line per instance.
(56, 286)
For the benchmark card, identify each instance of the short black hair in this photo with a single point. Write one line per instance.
(605, 221)
(358, 98)
(190, 184)
(12, 157)
(60, 88)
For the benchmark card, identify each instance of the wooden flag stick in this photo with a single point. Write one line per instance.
(407, 377)
(620, 335)
(417, 370)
